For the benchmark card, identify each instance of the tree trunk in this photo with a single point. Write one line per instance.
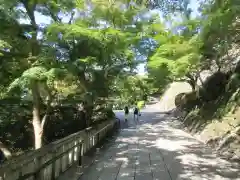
(36, 121)
(38, 130)
(200, 78)
(192, 81)
(37, 126)
(88, 102)
(192, 84)
(6, 152)
(88, 110)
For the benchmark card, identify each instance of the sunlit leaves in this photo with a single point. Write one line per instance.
(219, 26)
(96, 45)
(174, 58)
(185, 64)
(4, 45)
(37, 74)
(80, 4)
(131, 89)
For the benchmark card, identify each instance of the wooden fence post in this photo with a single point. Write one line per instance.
(53, 165)
(80, 154)
(37, 174)
(98, 138)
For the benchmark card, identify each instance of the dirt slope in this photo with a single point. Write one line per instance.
(167, 99)
(223, 134)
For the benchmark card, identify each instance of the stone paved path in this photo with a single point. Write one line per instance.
(152, 149)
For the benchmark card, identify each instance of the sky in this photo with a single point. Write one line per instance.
(43, 20)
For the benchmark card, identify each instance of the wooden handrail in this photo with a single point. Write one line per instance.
(28, 175)
(51, 160)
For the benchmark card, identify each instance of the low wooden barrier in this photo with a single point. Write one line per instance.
(51, 161)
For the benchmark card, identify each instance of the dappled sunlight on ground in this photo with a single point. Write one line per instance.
(152, 149)
(170, 145)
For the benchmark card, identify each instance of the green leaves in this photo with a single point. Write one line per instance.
(219, 26)
(93, 45)
(69, 31)
(3, 45)
(131, 89)
(176, 57)
(37, 74)
(185, 64)
(32, 74)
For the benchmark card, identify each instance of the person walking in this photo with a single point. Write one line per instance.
(140, 105)
(136, 113)
(126, 111)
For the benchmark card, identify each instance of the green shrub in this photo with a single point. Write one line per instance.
(16, 130)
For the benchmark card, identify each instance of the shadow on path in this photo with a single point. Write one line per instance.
(152, 149)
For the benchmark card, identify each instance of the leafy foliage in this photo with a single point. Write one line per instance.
(75, 57)
(85, 53)
(131, 90)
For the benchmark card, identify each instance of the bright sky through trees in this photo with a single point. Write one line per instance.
(43, 20)
(194, 5)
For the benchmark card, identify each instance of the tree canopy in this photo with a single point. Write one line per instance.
(194, 44)
(86, 53)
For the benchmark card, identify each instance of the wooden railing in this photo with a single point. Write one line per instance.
(51, 161)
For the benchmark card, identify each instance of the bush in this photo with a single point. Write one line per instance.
(102, 113)
(16, 129)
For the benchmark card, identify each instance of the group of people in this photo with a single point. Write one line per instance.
(136, 113)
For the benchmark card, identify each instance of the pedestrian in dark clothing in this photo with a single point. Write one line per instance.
(126, 111)
(136, 113)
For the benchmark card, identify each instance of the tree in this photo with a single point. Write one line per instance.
(97, 54)
(177, 56)
(42, 60)
(219, 30)
(177, 59)
(166, 6)
(131, 89)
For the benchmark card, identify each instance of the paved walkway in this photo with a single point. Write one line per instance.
(154, 150)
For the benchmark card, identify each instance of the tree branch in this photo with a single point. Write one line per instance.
(53, 16)
(30, 12)
(71, 18)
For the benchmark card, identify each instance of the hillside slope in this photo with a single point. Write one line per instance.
(168, 98)
(216, 124)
